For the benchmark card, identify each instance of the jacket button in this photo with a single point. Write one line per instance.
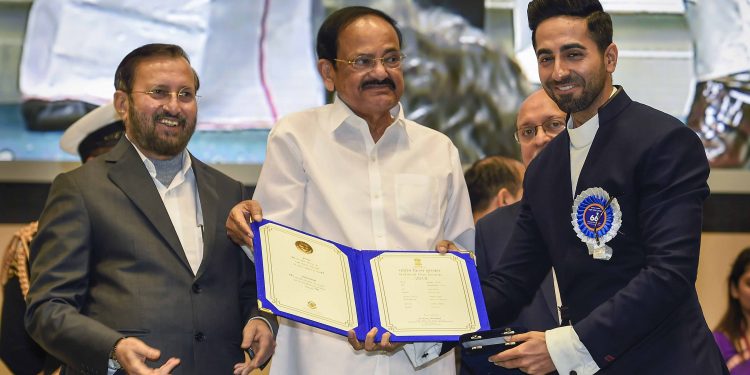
(200, 337)
(573, 373)
(197, 288)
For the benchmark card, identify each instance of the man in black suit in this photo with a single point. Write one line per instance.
(614, 204)
(539, 120)
(131, 267)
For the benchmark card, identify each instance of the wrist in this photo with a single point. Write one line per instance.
(113, 362)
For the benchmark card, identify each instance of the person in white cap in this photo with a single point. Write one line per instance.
(92, 135)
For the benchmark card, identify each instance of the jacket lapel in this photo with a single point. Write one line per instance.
(130, 175)
(209, 199)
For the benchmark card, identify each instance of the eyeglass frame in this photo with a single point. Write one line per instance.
(535, 127)
(176, 94)
(401, 55)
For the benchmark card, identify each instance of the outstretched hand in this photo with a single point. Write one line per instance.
(132, 354)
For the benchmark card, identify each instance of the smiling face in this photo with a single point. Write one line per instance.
(160, 129)
(370, 92)
(573, 71)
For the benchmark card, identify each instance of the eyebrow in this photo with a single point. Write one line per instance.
(565, 47)
(389, 50)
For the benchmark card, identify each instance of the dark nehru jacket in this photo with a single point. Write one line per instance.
(637, 313)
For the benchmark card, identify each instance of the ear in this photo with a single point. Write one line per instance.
(610, 58)
(734, 292)
(506, 198)
(502, 197)
(121, 103)
(325, 68)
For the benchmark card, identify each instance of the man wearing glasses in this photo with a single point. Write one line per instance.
(129, 269)
(359, 173)
(539, 120)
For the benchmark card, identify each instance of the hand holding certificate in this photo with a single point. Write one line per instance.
(414, 295)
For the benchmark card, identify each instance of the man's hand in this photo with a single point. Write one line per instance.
(445, 246)
(531, 356)
(257, 337)
(132, 354)
(237, 226)
(370, 345)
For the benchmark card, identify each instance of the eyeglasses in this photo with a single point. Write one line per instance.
(527, 134)
(365, 62)
(185, 96)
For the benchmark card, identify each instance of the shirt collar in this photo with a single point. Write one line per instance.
(583, 135)
(341, 114)
(186, 162)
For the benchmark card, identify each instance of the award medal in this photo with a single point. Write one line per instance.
(596, 218)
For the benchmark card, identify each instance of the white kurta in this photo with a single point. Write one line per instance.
(324, 175)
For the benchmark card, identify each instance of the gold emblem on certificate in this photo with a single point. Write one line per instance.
(312, 305)
(304, 247)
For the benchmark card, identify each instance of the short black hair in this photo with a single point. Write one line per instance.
(598, 21)
(328, 34)
(487, 176)
(125, 73)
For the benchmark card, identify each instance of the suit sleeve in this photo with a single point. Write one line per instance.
(60, 261)
(516, 277)
(481, 252)
(671, 181)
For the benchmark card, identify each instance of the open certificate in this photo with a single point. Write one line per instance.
(415, 295)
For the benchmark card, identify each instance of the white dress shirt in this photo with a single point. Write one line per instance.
(325, 175)
(183, 206)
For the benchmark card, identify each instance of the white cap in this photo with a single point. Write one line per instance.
(91, 122)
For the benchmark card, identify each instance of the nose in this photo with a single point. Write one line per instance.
(379, 70)
(172, 103)
(561, 70)
(541, 137)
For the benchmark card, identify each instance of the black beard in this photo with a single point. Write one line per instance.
(146, 137)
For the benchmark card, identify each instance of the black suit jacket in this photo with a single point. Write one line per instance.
(492, 234)
(637, 313)
(107, 263)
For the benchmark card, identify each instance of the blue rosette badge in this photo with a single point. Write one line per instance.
(596, 218)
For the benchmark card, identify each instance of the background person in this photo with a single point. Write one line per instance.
(493, 182)
(538, 121)
(92, 135)
(732, 332)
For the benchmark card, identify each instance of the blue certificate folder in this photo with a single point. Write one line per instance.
(415, 295)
